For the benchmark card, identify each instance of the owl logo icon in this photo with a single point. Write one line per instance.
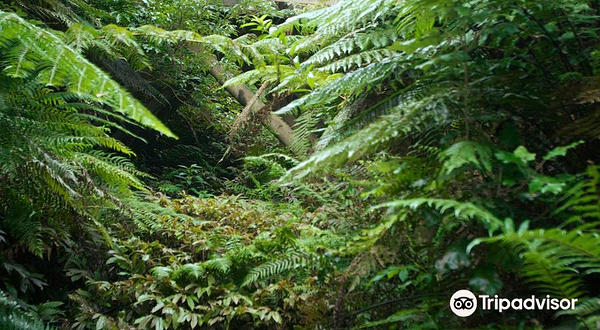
(463, 303)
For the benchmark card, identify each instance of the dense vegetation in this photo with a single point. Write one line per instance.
(178, 164)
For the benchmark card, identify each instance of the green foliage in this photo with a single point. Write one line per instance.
(276, 267)
(12, 317)
(201, 274)
(463, 98)
(65, 12)
(587, 311)
(407, 120)
(556, 259)
(463, 153)
(583, 200)
(438, 148)
(57, 111)
(403, 39)
(61, 169)
(54, 146)
(112, 41)
(466, 211)
(30, 51)
(194, 179)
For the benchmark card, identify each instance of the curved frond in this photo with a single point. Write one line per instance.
(28, 49)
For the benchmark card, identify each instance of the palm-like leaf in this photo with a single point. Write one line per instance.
(28, 49)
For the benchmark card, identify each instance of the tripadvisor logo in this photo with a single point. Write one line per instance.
(463, 303)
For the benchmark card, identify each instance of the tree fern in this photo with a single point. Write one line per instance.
(110, 41)
(403, 120)
(66, 12)
(358, 60)
(269, 73)
(303, 132)
(334, 22)
(355, 43)
(235, 49)
(57, 112)
(28, 49)
(53, 154)
(350, 85)
(355, 116)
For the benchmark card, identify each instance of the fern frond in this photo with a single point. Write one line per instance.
(554, 259)
(194, 271)
(461, 210)
(403, 120)
(114, 170)
(13, 317)
(159, 36)
(123, 42)
(354, 117)
(587, 311)
(269, 73)
(161, 272)
(303, 131)
(464, 153)
(582, 203)
(358, 60)
(335, 21)
(277, 267)
(29, 48)
(81, 36)
(402, 315)
(221, 264)
(350, 85)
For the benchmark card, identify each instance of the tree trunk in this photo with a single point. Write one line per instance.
(243, 94)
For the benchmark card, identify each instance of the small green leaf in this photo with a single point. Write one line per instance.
(101, 322)
(276, 317)
(522, 153)
(509, 226)
(310, 80)
(545, 184)
(403, 274)
(561, 151)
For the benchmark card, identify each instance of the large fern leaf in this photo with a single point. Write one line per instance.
(28, 49)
